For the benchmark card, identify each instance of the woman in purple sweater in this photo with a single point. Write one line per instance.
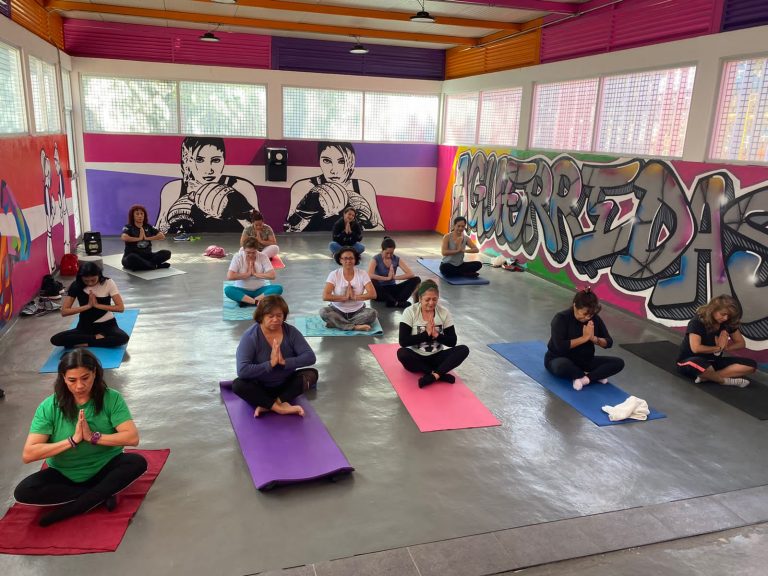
(272, 361)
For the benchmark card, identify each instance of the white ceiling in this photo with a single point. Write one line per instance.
(490, 11)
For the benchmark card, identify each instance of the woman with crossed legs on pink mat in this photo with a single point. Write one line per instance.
(714, 330)
(571, 349)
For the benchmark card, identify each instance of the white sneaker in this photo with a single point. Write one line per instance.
(740, 382)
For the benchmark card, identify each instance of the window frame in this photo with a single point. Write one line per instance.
(22, 92)
(45, 104)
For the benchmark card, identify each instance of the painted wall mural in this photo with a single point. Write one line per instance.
(220, 181)
(36, 223)
(656, 237)
(318, 202)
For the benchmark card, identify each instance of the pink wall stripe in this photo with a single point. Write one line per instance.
(96, 39)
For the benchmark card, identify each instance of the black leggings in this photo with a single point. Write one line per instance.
(463, 269)
(50, 487)
(148, 261)
(396, 292)
(598, 368)
(113, 336)
(256, 394)
(441, 362)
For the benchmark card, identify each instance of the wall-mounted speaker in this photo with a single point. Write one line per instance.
(277, 165)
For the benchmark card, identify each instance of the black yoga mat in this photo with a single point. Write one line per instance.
(753, 399)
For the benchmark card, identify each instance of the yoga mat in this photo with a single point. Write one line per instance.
(753, 399)
(109, 357)
(439, 406)
(589, 401)
(277, 262)
(315, 326)
(232, 310)
(283, 449)
(434, 267)
(115, 261)
(95, 531)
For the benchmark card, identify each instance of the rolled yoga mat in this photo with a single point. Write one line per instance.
(315, 326)
(439, 406)
(284, 449)
(433, 266)
(589, 401)
(109, 357)
(277, 262)
(663, 354)
(116, 261)
(96, 531)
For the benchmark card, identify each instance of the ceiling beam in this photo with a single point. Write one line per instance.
(68, 6)
(369, 13)
(540, 5)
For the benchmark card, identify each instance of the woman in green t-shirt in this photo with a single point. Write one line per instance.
(80, 430)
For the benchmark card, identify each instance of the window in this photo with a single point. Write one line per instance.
(66, 86)
(400, 117)
(500, 117)
(460, 119)
(223, 109)
(741, 124)
(129, 105)
(13, 119)
(645, 113)
(326, 114)
(45, 95)
(564, 115)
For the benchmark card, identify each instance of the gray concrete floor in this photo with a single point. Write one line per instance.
(545, 463)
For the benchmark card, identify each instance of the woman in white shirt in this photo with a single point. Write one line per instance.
(428, 338)
(94, 297)
(347, 289)
(250, 268)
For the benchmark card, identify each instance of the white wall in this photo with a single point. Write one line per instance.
(706, 52)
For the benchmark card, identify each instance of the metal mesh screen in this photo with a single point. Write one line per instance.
(460, 120)
(322, 114)
(45, 95)
(223, 109)
(400, 117)
(564, 115)
(13, 120)
(500, 117)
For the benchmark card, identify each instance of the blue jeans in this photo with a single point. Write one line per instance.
(236, 293)
(335, 247)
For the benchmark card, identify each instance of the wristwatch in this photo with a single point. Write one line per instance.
(95, 437)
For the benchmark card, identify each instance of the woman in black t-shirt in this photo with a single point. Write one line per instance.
(713, 330)
(138, 236)
(571, 348)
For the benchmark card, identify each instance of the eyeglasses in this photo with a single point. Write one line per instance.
(347, 258)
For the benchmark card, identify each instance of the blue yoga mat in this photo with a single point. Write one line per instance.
(315, 326)
(109, 357)
(434, 267)
(232, 310)
(529, 357)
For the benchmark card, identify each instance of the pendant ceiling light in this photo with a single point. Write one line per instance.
(358, 48)
(422, 15)
(209, 37)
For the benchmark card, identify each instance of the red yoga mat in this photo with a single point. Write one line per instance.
(95, 531)
(439, 406)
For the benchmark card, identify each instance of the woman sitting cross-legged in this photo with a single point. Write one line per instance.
(455, 244)
(383, 271)
(571, 348)
(347, 289)
(94, 295)
(80, 430)
(263, 233)
(428, 338)
(249, 268)
(138, 235)
(347, 232)
(714, 330)
(272, 361)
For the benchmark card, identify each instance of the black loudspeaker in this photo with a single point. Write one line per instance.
(277, 164)
(92, 242)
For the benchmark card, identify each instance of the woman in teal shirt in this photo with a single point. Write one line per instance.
(80, 430)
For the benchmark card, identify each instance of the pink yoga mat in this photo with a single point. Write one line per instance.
(277, 262)
(439, 406)
(95, 531)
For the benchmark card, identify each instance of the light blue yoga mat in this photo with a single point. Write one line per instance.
(529, 357)
(232, 310)
(433, 266)
(315, 326)
(109, 357)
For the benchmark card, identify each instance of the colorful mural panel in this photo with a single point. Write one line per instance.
(658, 238)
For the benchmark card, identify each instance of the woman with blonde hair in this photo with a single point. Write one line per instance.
(713, 331)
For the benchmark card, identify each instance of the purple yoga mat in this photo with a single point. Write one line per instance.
(283, 449)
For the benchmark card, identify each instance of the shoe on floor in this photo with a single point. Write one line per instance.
(739, 382)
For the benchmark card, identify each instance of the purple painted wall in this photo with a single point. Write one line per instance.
(302, 55)
(5, 8)
(629, 24)
(744, 14)
(96, 39)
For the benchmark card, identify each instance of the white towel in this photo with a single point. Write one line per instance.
(632, 407)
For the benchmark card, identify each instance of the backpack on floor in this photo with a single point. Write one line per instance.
(69, 265)
(50, 287)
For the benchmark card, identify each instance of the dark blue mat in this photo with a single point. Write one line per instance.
(589, 401)
(433, 265)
